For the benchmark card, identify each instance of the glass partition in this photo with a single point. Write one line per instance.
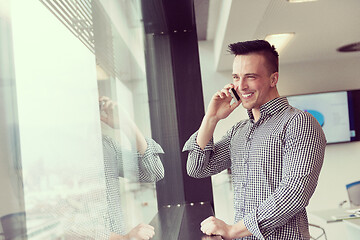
(80, 161)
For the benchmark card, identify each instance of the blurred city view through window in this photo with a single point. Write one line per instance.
(81, 162)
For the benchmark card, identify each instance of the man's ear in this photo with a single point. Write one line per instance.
(274, 79)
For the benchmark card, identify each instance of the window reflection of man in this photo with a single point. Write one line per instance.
(145, 166)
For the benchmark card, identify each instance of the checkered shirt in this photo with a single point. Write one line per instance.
(275, 164)
(132, 166)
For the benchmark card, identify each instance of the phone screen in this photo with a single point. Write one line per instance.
(234, 95)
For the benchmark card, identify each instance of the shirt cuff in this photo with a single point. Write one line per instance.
(191, 144)
(252, 226)
(151, 167)
(152, 148)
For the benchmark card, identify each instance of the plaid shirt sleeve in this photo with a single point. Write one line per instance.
(303, 154)
(151, 168)
(212, 160)
(122, 163)
(133, 165)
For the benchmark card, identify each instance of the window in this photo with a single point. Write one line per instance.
(86, 162)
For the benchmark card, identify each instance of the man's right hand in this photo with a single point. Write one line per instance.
(219, 106)
(109, 112)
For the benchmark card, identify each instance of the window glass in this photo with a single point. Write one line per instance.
(86, 165)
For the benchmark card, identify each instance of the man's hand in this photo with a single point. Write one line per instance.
(109, 112)
(219, 106)
(214, 226)
(141, 232)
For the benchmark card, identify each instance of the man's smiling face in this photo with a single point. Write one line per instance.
(253, 81)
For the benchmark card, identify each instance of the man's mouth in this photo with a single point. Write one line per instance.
(248, 95)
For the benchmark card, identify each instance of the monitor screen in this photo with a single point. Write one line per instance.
(333, 110)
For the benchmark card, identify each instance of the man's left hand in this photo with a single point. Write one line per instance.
(214, 226)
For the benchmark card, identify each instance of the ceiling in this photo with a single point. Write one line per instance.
(320, 27)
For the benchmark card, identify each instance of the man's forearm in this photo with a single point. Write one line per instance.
(206, 131)
(132, 129)
(141, 143)
(239, 230)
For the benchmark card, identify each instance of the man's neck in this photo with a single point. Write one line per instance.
(256, 113)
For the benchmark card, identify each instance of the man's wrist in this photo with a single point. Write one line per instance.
(238, 230)
(232, 231)
(115, 236)
(212, 120)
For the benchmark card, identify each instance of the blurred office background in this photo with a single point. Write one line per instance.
(58, 57)
(309, 63)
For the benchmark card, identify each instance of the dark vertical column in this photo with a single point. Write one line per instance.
(189, 104)
(175, 95)
(354, 113)
(163, 114)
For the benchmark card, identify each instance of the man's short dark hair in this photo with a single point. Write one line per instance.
(257, 46)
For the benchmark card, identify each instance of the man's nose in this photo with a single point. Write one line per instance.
(240, 85)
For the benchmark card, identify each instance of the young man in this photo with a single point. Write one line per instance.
(275, 156)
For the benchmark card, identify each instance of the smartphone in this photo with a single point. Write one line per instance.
(101, 105)
(234, 95)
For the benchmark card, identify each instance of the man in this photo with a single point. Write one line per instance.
(275, 156)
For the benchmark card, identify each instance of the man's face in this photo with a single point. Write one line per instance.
(253, 81)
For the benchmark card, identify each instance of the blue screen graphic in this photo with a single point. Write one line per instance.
(331, 111)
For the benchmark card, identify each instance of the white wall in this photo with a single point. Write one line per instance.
(325, 76)
(342, 161)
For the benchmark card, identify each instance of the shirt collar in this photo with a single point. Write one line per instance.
(271, 107)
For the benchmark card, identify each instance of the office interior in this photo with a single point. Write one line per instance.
(159, 62)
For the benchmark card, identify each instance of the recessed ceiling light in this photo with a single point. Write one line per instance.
(353, 47)
(299, 1)
(279, 40)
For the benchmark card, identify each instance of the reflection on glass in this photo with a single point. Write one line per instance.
(71, 171)
(145, 164)
(142, 164)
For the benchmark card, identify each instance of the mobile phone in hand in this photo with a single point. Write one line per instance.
(101, 105)
(234, 95)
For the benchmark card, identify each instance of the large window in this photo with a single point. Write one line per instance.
(84, 165)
